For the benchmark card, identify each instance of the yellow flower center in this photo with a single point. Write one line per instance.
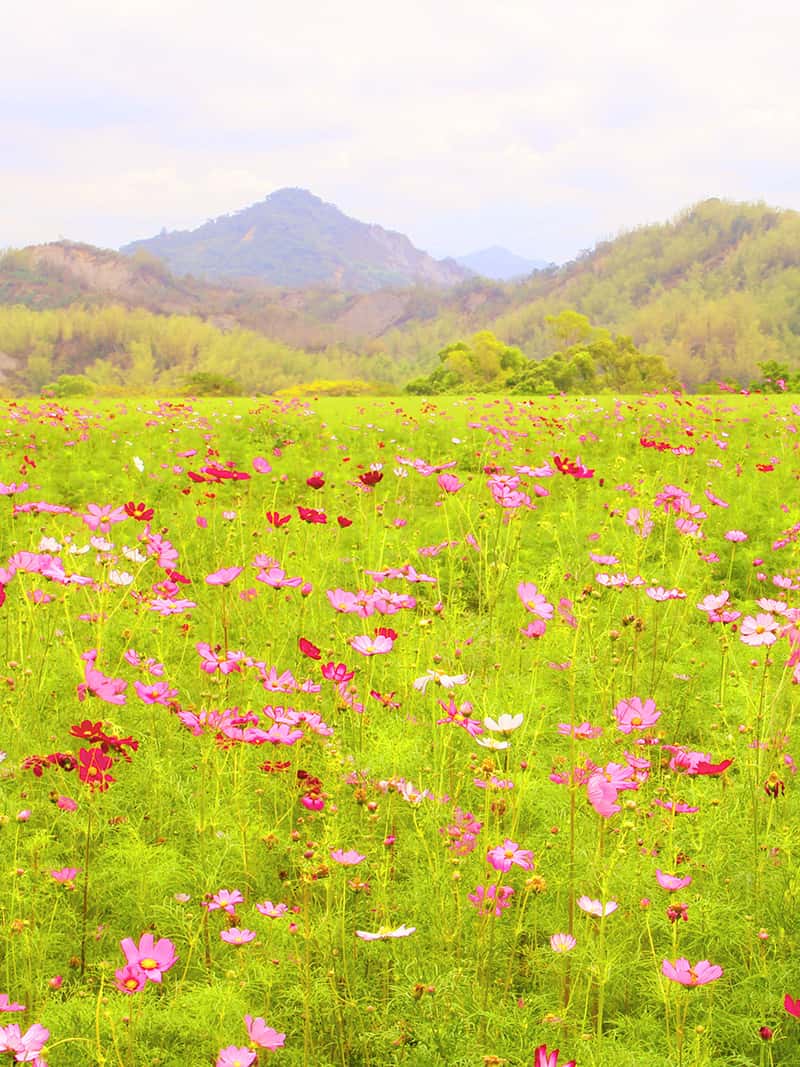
(148, 964)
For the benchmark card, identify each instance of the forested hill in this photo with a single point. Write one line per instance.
(715, 291)
(293, 238)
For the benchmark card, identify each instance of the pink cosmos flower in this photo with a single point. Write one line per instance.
(541, 1058)
(272, 911)
(235, 1056)
(152, 957)
(449, 483)
(130, 979)
(534, 601)
(699, 974)
(585, 731)
(7, 1005)
(225, 900)
(224, 576)
(736, 536)
(792, 1005)
(157, 693)
(761, 630)
(66, 875)
(596, 907)
(262, 1035)
(102, 517)
(26, 1046)
(536, 628)
(714, 602)
(95, 683)
(347, 859)
(671, 882)
(509, 855)
(562, 943)
(235, 936)
(631, 714)
(372, 646)
(493, 900)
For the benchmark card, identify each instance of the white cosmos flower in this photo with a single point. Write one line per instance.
(447, 681)
(100, 544)
(504, 724)
(78, 550)
(385, 932)
(492, 743)
(120, 577)
(49, 544)
(138, 464)
(133, 554)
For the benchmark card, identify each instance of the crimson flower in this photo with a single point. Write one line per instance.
(308, 649)
(343, 521)
(141, 512)
(316, 481)
(92, 766)
(312, 515)
(276, 520)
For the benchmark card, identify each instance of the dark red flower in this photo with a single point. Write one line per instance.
(308, 649)
(343, 521)
(141, 512)
(386, 631)
(316, 481)
(276, 520)
(370, 478)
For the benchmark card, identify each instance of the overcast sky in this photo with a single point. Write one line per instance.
(543, 127)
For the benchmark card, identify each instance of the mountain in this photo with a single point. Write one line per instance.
(500, 264)
(294, 239)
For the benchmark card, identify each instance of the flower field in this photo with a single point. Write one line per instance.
(382, 732)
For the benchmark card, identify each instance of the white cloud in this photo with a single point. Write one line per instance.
(539, 126)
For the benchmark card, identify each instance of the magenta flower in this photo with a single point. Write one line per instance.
(262, 1035)
(493, 900)
(671, 882)
(152, 957)
(226, 900)
(736, 536)
(235, 936)
(541, 1058)
(66, 875)
(682, 971)
(235, 1056)
(347, 859)
(632, 714)
(224, 576)
(792, 1005)
(509, 855)
(130, 978)
(449, 483)
(7, 1005)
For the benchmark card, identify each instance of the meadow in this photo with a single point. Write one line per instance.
(369, 732)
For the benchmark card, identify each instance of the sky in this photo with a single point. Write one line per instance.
(542, 127)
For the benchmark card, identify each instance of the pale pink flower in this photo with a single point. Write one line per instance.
(235, 936)
(449, 483)
(224, 576)
(347, 859)
(714, 601)
(534, 601)
(562, 943)
(761, 630)
(272, 911)
(736, 536)
(235, 1056)
(372, 646)
(493, 900)
(596, 907)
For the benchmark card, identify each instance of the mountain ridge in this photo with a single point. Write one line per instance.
(293, 238)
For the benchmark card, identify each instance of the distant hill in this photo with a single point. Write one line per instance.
(500, 264)
(715, 291)
(294, 239)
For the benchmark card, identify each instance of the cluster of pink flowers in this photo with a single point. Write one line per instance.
(146, 962)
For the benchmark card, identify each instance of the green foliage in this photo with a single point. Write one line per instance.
(204, 383)
(483, 365)
(70, 385)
